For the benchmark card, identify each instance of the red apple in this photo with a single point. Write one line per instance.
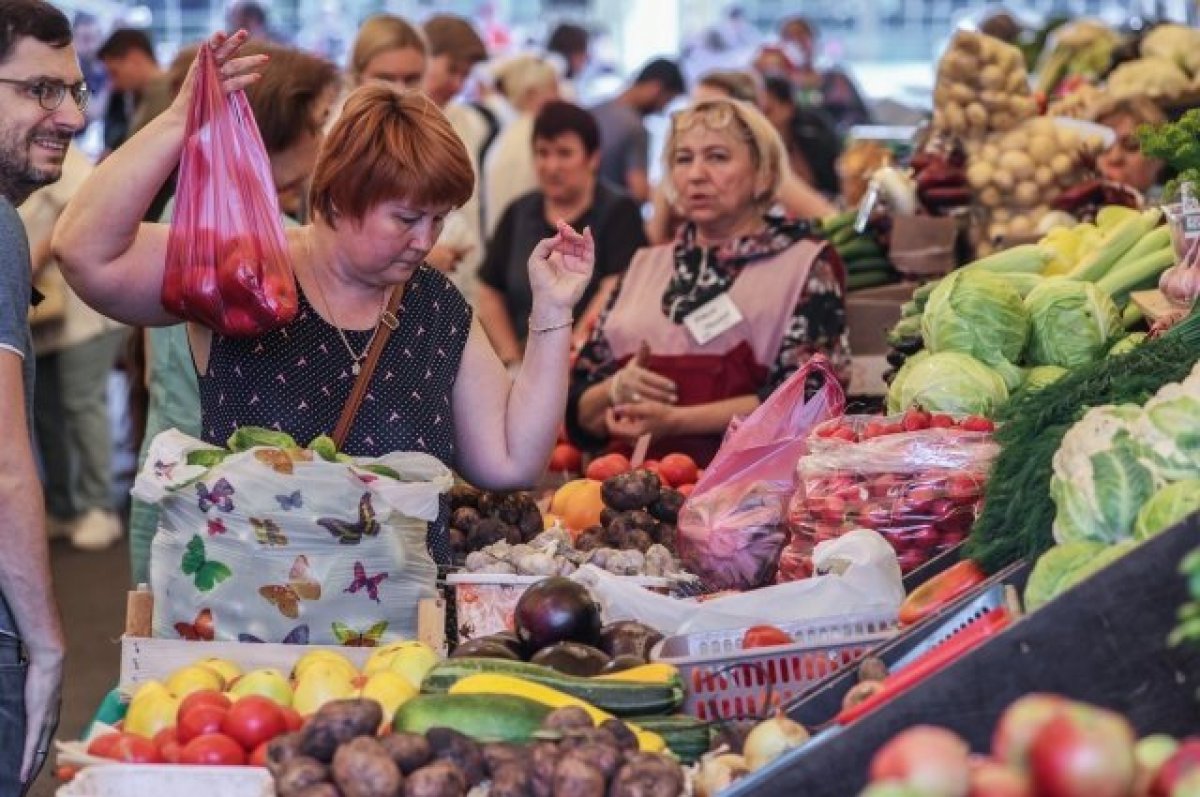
(1083, 751)
(1184, 760)
(1019, 723)
(678, 469)
(607, 466)
(565, 459)
(992, 779)
(927, 758)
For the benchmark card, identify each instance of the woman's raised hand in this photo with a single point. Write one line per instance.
(560, 269)
(236, 73)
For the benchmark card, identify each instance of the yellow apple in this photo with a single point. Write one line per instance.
(151, 711)
(318, 687)
(325, 657)
(267, 682)
(194, 678)
(381, 657)
(390, 690)
(414, 661)
(225, 668)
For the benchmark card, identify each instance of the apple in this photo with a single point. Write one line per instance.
(225, 668)
(1083, 751)
(930, 759)
(1150, 754)
(992, 779)
(150, 712)
(321, 655)
(267, 682)
(678, 469)
(390, 690)
(1188, 785)
(194, 678)
(1181, 762)
(1019, 723)
(607, 466)
(319, 686)
(565, 458)
(414, 661)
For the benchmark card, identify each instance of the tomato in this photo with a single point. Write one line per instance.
(826, 429)
(845, 433)
(763, 636)
(259, 757)
(168, 745)
(291, 718)
(655, 467)
(215, 749)
(200, 720)
(607, 466)
(976, 423)
(252, 721)
(941, 421)
(678, 469)
(685, 489)
(205, 697)
(915, 420)
(963, 486)
(940, 590)
(565, 458)
(873, 429)
(65, 773)
(128, 748)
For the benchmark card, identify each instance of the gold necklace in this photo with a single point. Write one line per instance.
(385, 317)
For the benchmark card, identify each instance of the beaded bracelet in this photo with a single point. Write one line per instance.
(551, 328)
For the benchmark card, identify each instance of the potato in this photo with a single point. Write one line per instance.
(961, 93)
(1062, 164)
(1027, 194)
(1044, 177)
(959, 66)
(872, 668)
(992, 77)
(989, 152)
(977, 115)
(1001, 215)
(544, 760)
(363, 768)
(942, 94)
(1021, 107)
(511, 780)
(648, 775)
(860, 692)
(1002, 120)
(567, 719)
(336, 723)
(979, 174)
(967, 42)
(439, 779)
(997, 230)
(1020, 226)
(281, 750)
(1042, 148)
(463, 751)
(956, 118)
(410, 751)
(622, 734)
(1017, 81)
(604, 757)
(319, 790)
(989, 197)
(299, 773)
(1018, 162)
(574, 777)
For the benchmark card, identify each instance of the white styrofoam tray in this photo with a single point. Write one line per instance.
(177, 780)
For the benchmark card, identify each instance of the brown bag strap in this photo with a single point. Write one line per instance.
(388, 323)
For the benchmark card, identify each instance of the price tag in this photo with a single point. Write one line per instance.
(711, 319)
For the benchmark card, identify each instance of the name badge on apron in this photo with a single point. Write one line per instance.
(711, 319)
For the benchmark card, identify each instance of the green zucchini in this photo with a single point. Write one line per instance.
(870, 279)
(486, 718)
(858, 249)
(686, 736)
(620, 698)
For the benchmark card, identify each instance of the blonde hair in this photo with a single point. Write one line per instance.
(383, 33)
(522, 74)
(743, 122)
(737, 84)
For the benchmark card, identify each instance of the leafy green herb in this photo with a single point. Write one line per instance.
(1178, 145)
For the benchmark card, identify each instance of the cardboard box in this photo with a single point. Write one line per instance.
(870, 313)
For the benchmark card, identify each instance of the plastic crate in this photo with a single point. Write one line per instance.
(725, 681)
(155, 780)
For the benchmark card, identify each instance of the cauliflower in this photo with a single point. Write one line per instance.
(1167, 428)
(1101, 477)
(1154, 77)
(1177, 43)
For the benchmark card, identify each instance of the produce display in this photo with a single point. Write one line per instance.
(863, 255)
(969, 341)
(917, 479)
(982, 87)
(1079, 51)
(1043, 745)
(479, 519)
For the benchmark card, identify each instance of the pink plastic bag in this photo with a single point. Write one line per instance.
(731, 530)
(227, 262)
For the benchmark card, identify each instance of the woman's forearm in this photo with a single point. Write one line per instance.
(538, 393)
(714, 417)
(593, 404)
(496, 323)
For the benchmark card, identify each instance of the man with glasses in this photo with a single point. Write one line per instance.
(42, 99)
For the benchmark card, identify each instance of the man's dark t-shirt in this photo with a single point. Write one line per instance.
(616, 227)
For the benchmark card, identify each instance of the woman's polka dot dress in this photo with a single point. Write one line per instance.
(298, 378)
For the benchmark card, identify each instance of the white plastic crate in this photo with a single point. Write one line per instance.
(725, 681)
(157, 780)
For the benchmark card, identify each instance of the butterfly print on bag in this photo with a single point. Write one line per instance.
(290, 502)
(205, 573)
(351, 533)
(297, 636)
(349, 637)
(219, 496)
(267, 532)
(363, 582)
(200, 630)
(301, 586)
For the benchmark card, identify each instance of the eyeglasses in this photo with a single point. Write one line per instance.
(50, 93)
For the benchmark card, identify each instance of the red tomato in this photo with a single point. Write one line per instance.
(845, 433)
(963, 486)
(763, 636)
(826, 429)
(685, 489)
(678, 469)
(215, 749)
(976, 423)
(292, 717)
(565, 458)
(940, 590)
(655, 467)
(200, 720)
(128, 748)
(607, 466)
(259, 757)
(252, 721)
(873, 429)
(168, 745)
(66, 773)
(941, 421)
(915, 420)
(205, 697)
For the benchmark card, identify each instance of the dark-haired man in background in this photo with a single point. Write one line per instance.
(140, 88)
(42, 100)
(624, 140)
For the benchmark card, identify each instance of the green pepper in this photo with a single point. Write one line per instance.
(248, 437)
(324, 447)
(207, 457)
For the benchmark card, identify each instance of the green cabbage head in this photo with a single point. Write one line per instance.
(1170, 428)
(1167, 507)
(1101, 477)
(1064, 566)
(980, 314)
(947, 382)
(1073, 323)
(1127, 344)
(1040, 376)
(895, 390)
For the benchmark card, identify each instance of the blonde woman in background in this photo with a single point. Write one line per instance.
(528, 83)
(388, 50)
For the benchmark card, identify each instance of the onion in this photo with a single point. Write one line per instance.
(771, 739)
(717, 772)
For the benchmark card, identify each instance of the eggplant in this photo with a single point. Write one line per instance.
(484, 648)
(556, 609)
(628, 638)
(572, 658)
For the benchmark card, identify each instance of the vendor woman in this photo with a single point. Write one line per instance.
(703, 329)
(389, 171)
(1124, 161)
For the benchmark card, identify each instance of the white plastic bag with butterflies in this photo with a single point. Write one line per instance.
(268, 546)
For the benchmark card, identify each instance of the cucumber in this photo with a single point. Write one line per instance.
(686, 737)
(485, 718)
(868, 264)
(869, 279)
(619, 698)
(858, 249)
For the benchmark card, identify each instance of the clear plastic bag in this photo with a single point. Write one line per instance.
(227, 263)
(920, 489)
(730, 530)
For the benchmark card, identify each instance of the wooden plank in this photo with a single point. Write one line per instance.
(1103, 642)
